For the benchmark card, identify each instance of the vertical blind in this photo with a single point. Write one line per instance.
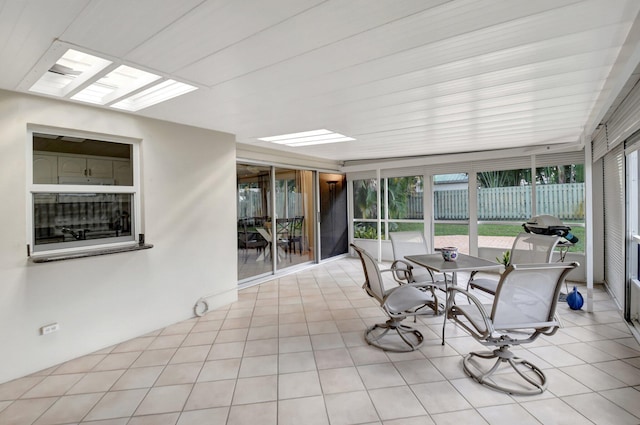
(614, 222)
(622, 123)
(608, 143)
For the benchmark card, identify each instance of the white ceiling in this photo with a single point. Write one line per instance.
(405, 78)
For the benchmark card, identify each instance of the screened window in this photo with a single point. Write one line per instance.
(451, 210)
(402, 206)
(504, 202)
(560, 193)
(365, 209)
(405, 198)
(504, 195)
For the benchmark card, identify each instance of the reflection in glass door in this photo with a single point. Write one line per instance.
(294, 222)
(334, 237)
(254, 206)
(267, 244)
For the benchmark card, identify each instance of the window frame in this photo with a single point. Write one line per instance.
(575, 222)
(384, 221)
(436, 238)
(374, 221)
(33, 188)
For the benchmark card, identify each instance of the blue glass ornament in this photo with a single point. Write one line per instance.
(575, 300)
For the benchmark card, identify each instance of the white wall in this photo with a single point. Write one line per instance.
(188, 183)
(252, 153)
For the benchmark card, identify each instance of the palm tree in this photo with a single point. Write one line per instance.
(504, 178)
(365, 198)
(397, 196)
(559, 174)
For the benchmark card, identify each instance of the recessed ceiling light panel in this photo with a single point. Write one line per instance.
(69, 72)
(91, 79)
(307, 138)
(119, 82)
(159, 93)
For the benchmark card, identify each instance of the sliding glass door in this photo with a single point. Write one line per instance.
(294, 234)
(254, 214)
(275, 219)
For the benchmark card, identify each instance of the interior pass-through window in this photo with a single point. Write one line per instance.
(82, 193)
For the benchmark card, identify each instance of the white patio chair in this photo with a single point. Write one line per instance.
(414, 243)
(527, 248)
(523, 308)
(398, 303)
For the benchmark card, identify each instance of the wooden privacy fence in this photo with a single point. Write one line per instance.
(565, 201)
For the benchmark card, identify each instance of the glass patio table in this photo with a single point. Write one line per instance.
(464, 263)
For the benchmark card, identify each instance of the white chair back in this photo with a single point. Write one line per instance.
(530, 248)
(527, 295)
(408, 243)
(373, 279)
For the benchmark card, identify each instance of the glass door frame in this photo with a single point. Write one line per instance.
(266, 211)
(271, 210)
(335, 182)
(296, 223)
(632, 163)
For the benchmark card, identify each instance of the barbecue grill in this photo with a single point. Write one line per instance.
(551, 226)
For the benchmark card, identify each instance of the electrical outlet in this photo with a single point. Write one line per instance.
(53, 327)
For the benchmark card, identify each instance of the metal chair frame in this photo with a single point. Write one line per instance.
(523, 308)
(398, 303)
(413, 243)
(527, 248)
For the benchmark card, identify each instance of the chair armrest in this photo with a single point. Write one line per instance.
(393, 274)
(476, 302)
(406, 267)
(471, 276)
(406, 264)
(473, 273)
(402, 272)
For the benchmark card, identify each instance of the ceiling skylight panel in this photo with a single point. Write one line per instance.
(341, 138)
(95, 93)
(119, 82)
(69, 72)
(52, 84)
(90, 79)
(159, 93)
(291, 136)
(306, 138)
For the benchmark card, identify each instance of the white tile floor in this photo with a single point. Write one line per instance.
(291, 351)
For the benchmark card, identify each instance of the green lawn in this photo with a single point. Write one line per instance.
(500, 230)
(368, 231)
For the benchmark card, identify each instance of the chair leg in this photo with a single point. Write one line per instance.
(410, 338)
(532, 375)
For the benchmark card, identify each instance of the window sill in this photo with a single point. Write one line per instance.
(94, 253)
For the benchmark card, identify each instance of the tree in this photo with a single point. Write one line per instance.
(559, 174)
(401, 189)
(504, 178)
(365, 198)
(555, 174)
(397, 196)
